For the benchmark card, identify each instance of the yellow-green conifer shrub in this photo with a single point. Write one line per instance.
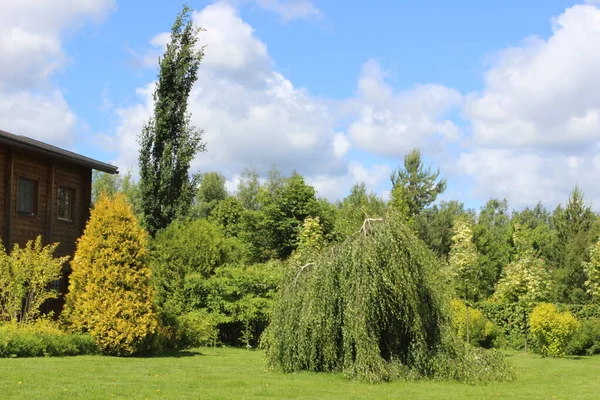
(110, 294)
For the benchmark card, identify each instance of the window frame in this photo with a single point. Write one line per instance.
(70, 208)
(34, 197)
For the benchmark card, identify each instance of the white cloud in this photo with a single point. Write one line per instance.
(341, 145)
(544, 93)
(336, 187)
(31, 36)
(251, 114)
(31, 50)
(391, 123)
(291, 9)
(536, 124)
(45, 117)
(526, 177)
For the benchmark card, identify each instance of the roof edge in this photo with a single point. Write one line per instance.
(28, 143)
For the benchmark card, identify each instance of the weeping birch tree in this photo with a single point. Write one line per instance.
(373, 307)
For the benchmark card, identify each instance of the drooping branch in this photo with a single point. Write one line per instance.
(310, 264)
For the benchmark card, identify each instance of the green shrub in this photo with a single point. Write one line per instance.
(586, 340)
(551, 330)
(510, 318)
(239, 298)
(581, 311)
(194, 329)
(25, 277)
(110, 294)
(43, 338)
(183, 249)
(482, 331)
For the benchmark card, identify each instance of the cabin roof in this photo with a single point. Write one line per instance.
(26, 143)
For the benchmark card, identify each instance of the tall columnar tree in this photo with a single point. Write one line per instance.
(592, 271)
(492, 237)
(168, 142)
(576, 229)
(463, 262)
(111, 296)
(420, 185)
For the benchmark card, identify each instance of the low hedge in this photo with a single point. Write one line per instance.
(43, 338)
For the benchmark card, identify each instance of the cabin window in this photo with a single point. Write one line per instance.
(27, 196)
(66, 197)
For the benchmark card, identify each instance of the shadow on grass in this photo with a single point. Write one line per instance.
(170, 354)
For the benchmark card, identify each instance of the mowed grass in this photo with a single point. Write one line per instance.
(240, 374)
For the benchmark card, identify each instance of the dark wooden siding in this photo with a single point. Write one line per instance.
(67, 232)
(4, 155)
(24, 227)
(49, 174)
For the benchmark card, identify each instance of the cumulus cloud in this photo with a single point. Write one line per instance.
(389, 123)
(45, 117)
(291, 9)
(536, 124)
(335, 187)
(31, 36)
(251, 115)
(544, 93)
(31, 50)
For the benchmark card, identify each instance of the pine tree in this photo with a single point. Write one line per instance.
(168, 142)
(420, 185)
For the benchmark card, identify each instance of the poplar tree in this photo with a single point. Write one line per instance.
(168, 142)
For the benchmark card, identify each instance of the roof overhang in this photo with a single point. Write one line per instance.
(26, 143)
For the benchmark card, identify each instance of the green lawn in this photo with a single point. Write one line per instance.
(240, 374)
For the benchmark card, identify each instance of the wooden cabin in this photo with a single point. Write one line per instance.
(45, 190)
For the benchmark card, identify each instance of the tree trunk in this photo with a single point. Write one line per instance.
(526, 329)
(468, 322)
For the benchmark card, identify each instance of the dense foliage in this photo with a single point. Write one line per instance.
(551, 330)
(168, 142)
(419, 185)
(25, 278)
(42, 339)
(110, 295)
(482, 331)
(372, 307)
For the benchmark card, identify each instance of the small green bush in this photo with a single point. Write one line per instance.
(43, 338)
(551, 330)
(178, 332)
(586, 340)
(25, 277)
(482, 331)
(510, 318)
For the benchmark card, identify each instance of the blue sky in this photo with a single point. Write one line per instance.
(500, 95)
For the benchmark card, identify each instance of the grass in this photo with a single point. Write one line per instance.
(240, 374)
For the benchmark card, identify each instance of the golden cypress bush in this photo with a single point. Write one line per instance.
(110, 294)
